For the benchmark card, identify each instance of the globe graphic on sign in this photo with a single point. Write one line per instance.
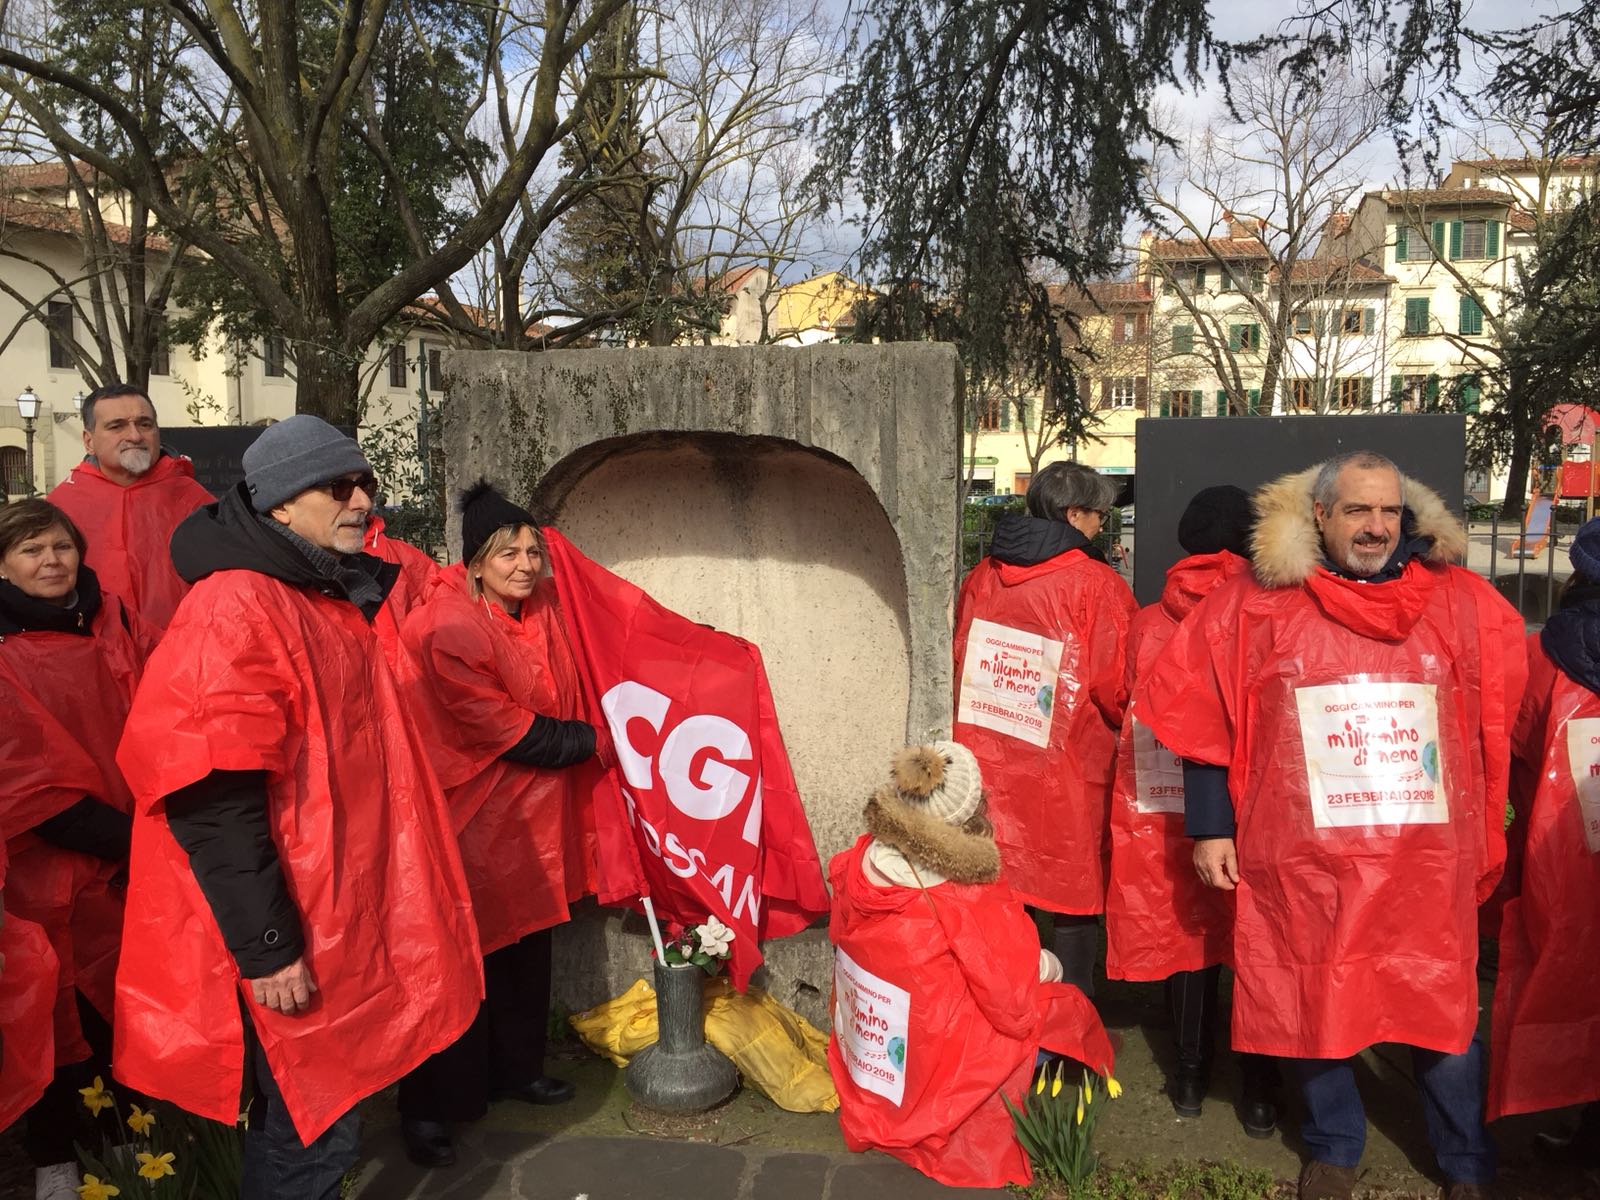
(1430, 761)
(1044, 698)
(897, 1051)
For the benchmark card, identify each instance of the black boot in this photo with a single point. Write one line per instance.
(1187, 1090)
(1258, 1103)
(428, 1143)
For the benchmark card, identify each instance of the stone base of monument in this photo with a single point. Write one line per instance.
(682, 1072)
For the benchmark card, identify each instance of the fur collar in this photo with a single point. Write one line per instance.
(959, 856)
(1286, 547)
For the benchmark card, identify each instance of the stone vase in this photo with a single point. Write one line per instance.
(681, 1072)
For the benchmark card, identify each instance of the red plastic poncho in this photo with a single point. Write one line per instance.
(938, 1012)
(1040, 694)
(410, 587)
(27, 996)
(257, 675)
(476, 679)
(1160, 919)
(1366, 730)
(65, 697)
(1545, 1040)
(129, 530)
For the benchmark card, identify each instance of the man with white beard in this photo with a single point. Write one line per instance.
(127, 496)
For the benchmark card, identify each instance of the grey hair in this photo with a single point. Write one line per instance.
(112, 391)
(1064, 485)
(1325, 489)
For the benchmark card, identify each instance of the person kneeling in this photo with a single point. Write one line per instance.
(941, 996)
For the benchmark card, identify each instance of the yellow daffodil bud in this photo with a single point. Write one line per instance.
(1038, 1088)
(1080, 1111)
(1113, 1088)
(1055, 1086)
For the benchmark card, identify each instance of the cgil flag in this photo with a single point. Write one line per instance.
(701, 813)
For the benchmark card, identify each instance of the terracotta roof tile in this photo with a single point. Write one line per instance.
(1195, 248)
(1577, 162)
(1438, 197)
(55, 218)
(1354, 270)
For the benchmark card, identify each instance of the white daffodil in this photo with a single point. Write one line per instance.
(715, 937)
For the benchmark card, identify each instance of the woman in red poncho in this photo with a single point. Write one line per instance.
(69, 659)
(941, 994)
(1041, 633)
(1161, 921)
(1545, 1041)
(495, 691)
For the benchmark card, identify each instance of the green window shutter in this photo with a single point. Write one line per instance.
(1491, 239)
(1430, 391)
(1196, 399)
(1369, 320)
(1366, 391)
(1166, 405)
(1397, 391)
(1182, 339)
(1254, 406)
(1471, 394)
(1005, 415)
(971, 415)
(1199, 279)
(1023, 418)
(1222, 403)
(1235, 333)
(1225, 280)
(1455, 238)
(1438, 239)
(1255, 336)
(1399, 243)
(1417, 315)
(1471, 316)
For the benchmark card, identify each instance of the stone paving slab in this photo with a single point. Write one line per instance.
(633, 1168)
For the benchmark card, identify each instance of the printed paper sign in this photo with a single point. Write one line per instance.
(1583, 756)
(1157, 773)
(1009, 682)
(871, 1019)
(1372, 754)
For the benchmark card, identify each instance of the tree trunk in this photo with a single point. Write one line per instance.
(1517, 474)
(327, 383)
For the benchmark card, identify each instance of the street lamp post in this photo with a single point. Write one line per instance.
(28, 406)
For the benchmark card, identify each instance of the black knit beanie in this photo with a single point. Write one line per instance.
(1218, 518)
(483, 510)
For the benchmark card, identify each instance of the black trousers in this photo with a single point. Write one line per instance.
(1192, 998)
(58, 1117)
(503, 1047)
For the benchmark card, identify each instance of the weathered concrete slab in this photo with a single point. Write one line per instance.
(804, 499)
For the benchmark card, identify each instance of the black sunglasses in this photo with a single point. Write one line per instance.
(342, 489)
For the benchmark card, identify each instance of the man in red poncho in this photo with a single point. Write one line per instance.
(1162, 922)
(296, 899)
(127, 496)
(941, 994)
(1346, 716)
(1545, 1037)
(1041, 630)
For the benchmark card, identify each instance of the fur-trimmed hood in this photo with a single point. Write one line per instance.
(1286, 547)
(951, 850)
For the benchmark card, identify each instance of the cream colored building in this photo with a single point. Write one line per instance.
(41, 248)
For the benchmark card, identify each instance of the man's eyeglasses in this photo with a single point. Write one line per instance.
(342, 489)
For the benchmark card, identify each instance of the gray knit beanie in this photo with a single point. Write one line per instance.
(297, 454)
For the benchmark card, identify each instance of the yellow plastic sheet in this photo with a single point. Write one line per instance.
(779, 1052)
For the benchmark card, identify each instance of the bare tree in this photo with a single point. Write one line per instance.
(1243, 208)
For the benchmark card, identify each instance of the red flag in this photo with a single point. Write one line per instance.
(701, 814)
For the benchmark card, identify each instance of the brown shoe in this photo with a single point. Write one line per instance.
(1324, 1181)
(1468, 1191)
